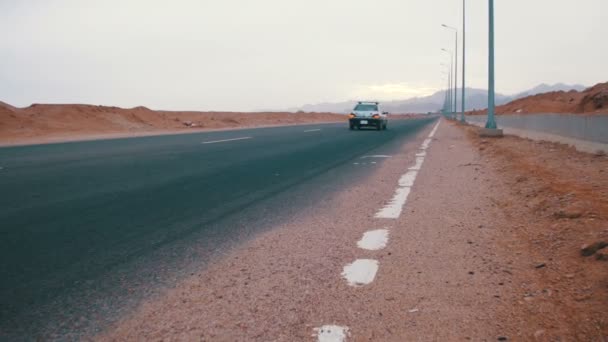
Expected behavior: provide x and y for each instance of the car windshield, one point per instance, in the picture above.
(366, 107)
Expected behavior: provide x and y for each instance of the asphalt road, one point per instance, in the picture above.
(87, 227)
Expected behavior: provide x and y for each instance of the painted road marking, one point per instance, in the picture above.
(407, 180)
(425, 144)
(312, 130)
(331, 333)
(220, 141)
(376, 156)
(360, 272)
(393, 209)
(374, 240)
(434, 130)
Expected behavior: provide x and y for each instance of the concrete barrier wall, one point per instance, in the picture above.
(588, 133)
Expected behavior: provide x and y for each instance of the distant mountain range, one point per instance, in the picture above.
(475, 99)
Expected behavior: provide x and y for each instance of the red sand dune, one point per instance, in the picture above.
(56, 122)
(592, 100)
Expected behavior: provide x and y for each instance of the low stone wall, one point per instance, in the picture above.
(587, 133)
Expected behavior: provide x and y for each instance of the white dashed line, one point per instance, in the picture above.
(425, 144)
(225, 140)
(434, 130)
(312, 130)
(360, 272)
(363, 271)
(394, 208)
(376, 156)
(374, 240)
(418, 165)
(407, 180)
(331, 333)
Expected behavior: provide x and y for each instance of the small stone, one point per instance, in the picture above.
(541, 265)
(589, 250)
(568, 214)
(539, 333)
(471, 273)
(502, 338)
(570, 276)
(601, 256)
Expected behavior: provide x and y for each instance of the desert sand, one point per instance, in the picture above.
(593, 100)
(41, 123)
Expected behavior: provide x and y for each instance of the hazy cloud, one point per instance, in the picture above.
(244, 55)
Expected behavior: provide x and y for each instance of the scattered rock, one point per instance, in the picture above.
(589, 250)
(541, 265)
(502, 338)
(601, 255)
(568, 214)
(539, 333)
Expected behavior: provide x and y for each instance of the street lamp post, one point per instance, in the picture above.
(452, 98)
(464, 57)
(455, 68)
(446, 100)
(491, 123)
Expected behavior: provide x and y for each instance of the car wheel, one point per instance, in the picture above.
(351, 127)
(379, 127)
(385, 126)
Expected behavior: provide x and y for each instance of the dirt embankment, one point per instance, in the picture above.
(56, 122)
(557, 201)
(592, 100)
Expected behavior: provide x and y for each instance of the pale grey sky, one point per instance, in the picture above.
(256, 54)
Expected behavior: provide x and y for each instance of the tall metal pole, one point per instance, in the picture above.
(450, 92)
(455, 66)
(456, 77)
(491, 123)
(464, 58)
(446, 91)
(452, 83)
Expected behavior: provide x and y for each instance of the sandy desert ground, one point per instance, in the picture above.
(41, 123)
(593, 100)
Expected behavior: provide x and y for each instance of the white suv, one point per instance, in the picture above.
(367, 114)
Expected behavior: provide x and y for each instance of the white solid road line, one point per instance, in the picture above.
(331, 333)
(225, 140)
(360, 272)
(312, 130)
(374, 240)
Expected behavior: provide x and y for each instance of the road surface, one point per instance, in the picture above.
(90, 228)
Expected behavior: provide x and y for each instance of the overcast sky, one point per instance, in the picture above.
(260, 54)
